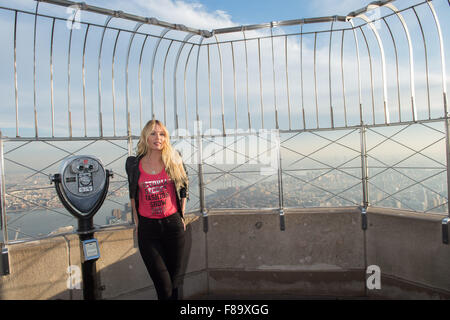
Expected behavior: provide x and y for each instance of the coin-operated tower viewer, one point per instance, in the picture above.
(82, 185)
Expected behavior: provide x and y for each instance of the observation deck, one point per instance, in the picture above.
(318, 149)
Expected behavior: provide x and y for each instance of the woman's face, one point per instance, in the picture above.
(156, 139)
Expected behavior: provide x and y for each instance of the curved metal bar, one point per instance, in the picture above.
(209, 88)
(36, 133)
(397, 73)
(16, 89)
(359, 72)
(100, 115)
(274, 82)
(136, 28)
(161, 36)
(301, 76)
(444, 76)
(51, 82)
(287, 81)
(221, 83)
(371, 74)
(196, 84)
(164, 80)
(68, 73)
(140, 83)
(84, 82)
(426, 62)
(260, 84)
(411, 58)
(315, 80)
(383, 63)
(329, 75)
(246, 74)
(343, 78)
(112, 82)
(185, 88)
(234, 87)
(175, 104)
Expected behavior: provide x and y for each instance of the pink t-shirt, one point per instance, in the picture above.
(157, 195)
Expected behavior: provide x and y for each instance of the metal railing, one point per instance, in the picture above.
(331, 111)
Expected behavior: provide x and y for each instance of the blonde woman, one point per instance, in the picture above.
(158, 185)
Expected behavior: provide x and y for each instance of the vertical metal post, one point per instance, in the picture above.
(152, 88)
(175, 96)
(201, 184)
(260, 83)
(88, 268)
(112, 83)
(209, 89)
(364, 178)
(371, 76)
(329, 73)
(246, 73)
(164, 81)
(51, 84)
(301, 76)
(140, 84)
(100, 114)
(127, 99)
(280, 182)
(69, 112)
(3, 221)
(359, 73)
(221, 83)
(426, 62)
(185, 89)
(36, 133)
(446, 220)
(287, 80)
(315, 80)
(343, 82)
(16, 90)
(274, 80)
(234, 87)
(84, 80)
(198, 135)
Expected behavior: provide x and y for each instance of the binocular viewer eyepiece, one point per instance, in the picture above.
(82, 185)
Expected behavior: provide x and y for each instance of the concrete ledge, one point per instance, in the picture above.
(344, 283)
(408, 248)
(323, 252)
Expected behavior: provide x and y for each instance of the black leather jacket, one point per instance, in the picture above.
(132, 169)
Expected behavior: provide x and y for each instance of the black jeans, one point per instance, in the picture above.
(161, 244)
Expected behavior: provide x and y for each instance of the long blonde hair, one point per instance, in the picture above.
(170, 157)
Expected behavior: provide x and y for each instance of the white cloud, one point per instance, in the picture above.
(193, 14)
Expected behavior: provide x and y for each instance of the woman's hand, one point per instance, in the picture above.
(184, 221)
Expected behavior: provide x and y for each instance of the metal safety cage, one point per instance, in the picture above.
(297, 113)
